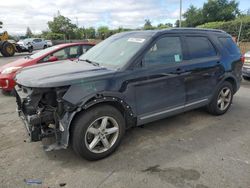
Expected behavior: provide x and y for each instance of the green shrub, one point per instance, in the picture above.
(232, 27)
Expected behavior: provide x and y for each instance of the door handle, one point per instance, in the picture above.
(179, 71)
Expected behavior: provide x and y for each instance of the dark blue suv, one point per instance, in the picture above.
(127, 80)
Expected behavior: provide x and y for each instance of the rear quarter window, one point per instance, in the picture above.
(229, 45)
(200, 47)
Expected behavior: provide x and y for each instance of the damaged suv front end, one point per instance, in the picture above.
(42, 111)
(47, 104)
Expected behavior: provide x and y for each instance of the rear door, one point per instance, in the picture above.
(203, 68)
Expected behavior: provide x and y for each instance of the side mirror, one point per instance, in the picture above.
(53, 58)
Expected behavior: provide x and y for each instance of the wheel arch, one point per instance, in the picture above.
(233, 81)
(99, 100)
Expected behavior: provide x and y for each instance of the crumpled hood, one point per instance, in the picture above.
(60, 73)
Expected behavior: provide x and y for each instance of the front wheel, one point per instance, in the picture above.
(30, 49)
(98, 132)
(222, 99)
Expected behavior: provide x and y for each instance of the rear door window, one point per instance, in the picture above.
(229, 45)
(200, 47)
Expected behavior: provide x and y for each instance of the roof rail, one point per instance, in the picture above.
(198, 29)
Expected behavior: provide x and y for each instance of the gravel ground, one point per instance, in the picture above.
(191, 150)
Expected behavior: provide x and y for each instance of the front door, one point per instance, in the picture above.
(160, 89)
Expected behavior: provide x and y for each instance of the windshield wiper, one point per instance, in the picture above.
(91, 62)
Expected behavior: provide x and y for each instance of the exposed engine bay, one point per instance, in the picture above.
(42, 110)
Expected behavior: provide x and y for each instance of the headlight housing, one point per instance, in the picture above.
(10, 70)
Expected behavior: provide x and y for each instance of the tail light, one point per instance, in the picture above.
(242, 59)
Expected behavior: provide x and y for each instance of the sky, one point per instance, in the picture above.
(17, 15)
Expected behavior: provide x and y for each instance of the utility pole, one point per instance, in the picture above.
(238, 38)
(180, 13)
(240, 30)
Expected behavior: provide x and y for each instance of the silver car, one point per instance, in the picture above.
(49, 43)
(246, 66)
(36, 43)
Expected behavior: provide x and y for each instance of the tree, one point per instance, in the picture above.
(28, 33)
(52, 36)
(220, 10)
(79, 33)
(148, 25)
(62, 25)
(232, 27)
(193, 17)
(212, 11)
(164, 26)
(89, 33)
(161, 26)
(177, 23)
(169, 24)
(103, 32)
(1, 23)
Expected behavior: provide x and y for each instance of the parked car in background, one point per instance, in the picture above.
(36, 43)
(129, 79)
(49, 43)
(59, 52)
(246, 66)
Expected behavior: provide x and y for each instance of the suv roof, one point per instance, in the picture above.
(179, 30)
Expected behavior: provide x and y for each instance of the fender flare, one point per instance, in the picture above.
(223, 79)
(91, 101)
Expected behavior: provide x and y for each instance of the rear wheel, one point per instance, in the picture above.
(45, 46)
(98, 132)
(7, 49)
(222, 99)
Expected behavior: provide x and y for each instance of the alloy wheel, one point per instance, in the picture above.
(102, 134)
(224, 98)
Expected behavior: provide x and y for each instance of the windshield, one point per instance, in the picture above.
(43, 52)
(115, 51)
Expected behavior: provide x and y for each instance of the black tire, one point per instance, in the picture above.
(45, 46)
(30, 49)
(7, 49)
(85, 120)
(246, 78)
(213, 107)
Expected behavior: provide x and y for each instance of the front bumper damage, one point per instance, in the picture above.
(45, 115)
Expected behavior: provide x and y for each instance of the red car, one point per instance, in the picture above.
(59, 52)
